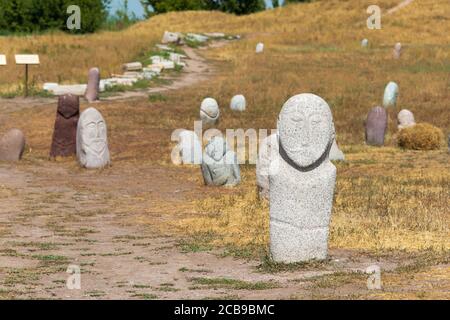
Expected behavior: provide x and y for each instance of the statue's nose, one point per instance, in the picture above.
(306, 135)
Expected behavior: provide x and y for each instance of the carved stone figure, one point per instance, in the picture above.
(220, 166)
(93, 86)
(238, 103)
(65, 132)
(390, 95)
(12, 145)
(301, 193)
(376, 126)
(92, 140)
(405, 119)
(267, 164)
(209, 111)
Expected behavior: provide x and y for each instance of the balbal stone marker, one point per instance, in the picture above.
(220, 166)
(238, 103)
(397, 50)
(209, 111)
(93, 86)
(65, 132)
(376, 126)
(190, 148)
(390, 95)
(364, 43)
(12, 145)
(267, 164)
(92, 140)
(405, 119)
(260, 48)
(301, 194)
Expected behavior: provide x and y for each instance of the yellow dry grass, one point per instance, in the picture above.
(386, 198)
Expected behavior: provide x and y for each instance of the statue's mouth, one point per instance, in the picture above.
(97, 145)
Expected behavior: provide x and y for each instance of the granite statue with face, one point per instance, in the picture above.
(92, 140)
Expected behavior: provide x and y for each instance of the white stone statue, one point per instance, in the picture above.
(260, 48)
(209, 111)
(301, 193)
(238, 103)
(92, 140)
(405, 119)
(220, 166)
(267, 164)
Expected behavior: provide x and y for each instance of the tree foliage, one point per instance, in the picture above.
(40, 15)
(232, 6)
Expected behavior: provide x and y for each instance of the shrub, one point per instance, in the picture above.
(422, 136)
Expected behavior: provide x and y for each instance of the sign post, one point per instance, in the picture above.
(27, 59)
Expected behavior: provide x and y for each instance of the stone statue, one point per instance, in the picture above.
(267, 164)
(12, 145)
(397, 50)
(190, 148)
(92, 140)
(65, 133)
(301, 193)
(209, 112)
(405, 119)
(238, 103)
(93, 86)
(376, 126)
(390, 95)
(220, 166)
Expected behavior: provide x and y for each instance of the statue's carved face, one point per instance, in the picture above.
(94, 135)
(306, 129)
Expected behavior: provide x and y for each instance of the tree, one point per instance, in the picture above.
(40, 15)
(232, 6)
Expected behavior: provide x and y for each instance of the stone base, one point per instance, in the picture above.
(290, 245)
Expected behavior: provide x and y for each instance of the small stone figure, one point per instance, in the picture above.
(376, 126)
(93, 86)
(220, 166)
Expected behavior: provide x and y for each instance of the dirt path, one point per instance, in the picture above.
(53, 216)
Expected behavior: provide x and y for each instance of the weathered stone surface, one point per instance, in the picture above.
(220, 166)
(390, 95)
(12, 145)
(238, 103)
(132, 66)
(93, 86)
(190, 148)
(397, 50)
(65, 132)
(335, 153)
(364, 43)
(260, 48)
(74, 89)
(209, 111)
(197, 37)
(267, 164)
(301, 193)
(171, 37)
(405, 119)
(376, 126)
(92, 140)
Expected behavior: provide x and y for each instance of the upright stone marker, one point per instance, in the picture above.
(397, 50)
(190, 148)
(260, 48)
(301, 194)
(64, 142)
(390, 95)
(93, 86)
(2, 60)
(12, 145)
(238, 103)
(220, 166)
(92, 140)
(267, 164)
(376, 126)
(209, 111)
(364, 43)
(335, 153)
(405, 119)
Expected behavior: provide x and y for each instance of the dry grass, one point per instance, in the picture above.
(422, 136)
(386, 198)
